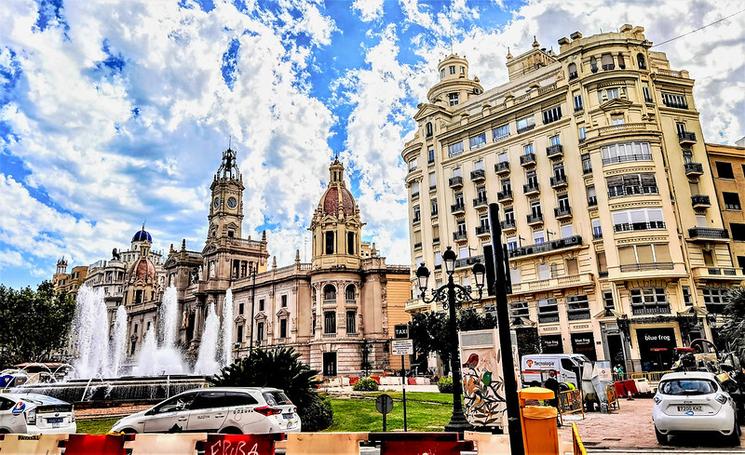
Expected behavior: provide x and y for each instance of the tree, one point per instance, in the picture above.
(281, 368)
(34, 323)
(733, 330)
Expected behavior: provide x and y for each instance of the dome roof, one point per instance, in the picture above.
(336, 197)
(142, 236)
(143, 269)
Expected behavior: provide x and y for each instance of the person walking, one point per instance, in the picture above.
(552, 383)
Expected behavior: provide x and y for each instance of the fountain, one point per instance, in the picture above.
(119, 339)
(91, 333)
(227, 329)
(207, 359)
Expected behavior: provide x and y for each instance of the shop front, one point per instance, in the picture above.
(584, 343)
(552, 344)
(656, 348)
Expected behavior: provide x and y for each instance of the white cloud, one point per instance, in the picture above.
(369, 10)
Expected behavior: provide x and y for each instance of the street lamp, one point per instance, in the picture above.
(451, 295)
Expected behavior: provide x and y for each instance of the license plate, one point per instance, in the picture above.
(288, 415)
(55, 420)
(694, 408)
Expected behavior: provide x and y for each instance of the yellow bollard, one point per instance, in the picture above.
(540, 433)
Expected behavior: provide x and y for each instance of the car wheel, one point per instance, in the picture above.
(129, 431)
(661, 438)
(734, 438)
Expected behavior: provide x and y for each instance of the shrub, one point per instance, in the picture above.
(318, 415)
(445, 384)
(366, 385)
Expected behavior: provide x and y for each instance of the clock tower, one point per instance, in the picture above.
(226, 207)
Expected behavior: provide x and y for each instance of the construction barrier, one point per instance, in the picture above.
(577, 445)
(25, 443)
(570, 402)
(414, 443)
(100, 444)
(241, 444)
(612, 398)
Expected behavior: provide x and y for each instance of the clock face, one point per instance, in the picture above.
(217, 202)
(232, 202)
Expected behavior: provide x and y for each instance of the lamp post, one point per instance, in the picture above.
(252, 272)
(452, 295)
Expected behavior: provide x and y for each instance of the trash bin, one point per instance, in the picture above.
(540, 433)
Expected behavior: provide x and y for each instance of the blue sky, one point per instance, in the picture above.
(115, 114)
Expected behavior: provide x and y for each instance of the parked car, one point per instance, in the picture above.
(693, 401)
(32, 413)
(247, 410)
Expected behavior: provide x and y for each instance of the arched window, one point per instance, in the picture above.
(593, 64)
(640, 62)
(572, 69)
(329, 292)
(607, 61)
(621, 61)
(351, 241)
(350, 292)
(329, 237)
(428, 129)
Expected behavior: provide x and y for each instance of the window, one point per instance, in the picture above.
(631, 184)
(481, 192)
(724, 170)
(647, 93)
(502, 157)
(543, 271)
(456, 172)
(240, 308)
(551, 115)
(519, 310)
(680, 128)
(432, 180)
(616, 119)
(239, 334)
(607, 61)
(688, 387)
(715, 299)
(283, 299)
(626, 151)
(329, 322)
(649, 301)
(431, 155)
(593, 64)
(428, 129)
(261, 304)
(459, 199)
(586, 164)
(478, 165)
(349, 293)
(455, 149)
(528, 149)
(538, 237)
(597, 229)
(525, 124)
(567, 231)
(461, 227)
(531, 178)
(554, 140)
(621, 61)
(511, 244)
(351, 321)
(412, 165)
(578, 307)
(329, 293)
(415, 189)
(577, 101)
(506, 185)
(535, 209)
(329, 237)
(687, 295)
(548, 311)
(501, 132)
(451, 68)
(731, 201)
(592, 199)
(462, 70)
(563, 202)
(608, 302)
(640, 62)
(572, 70)
(433, 207)
(637, 219)
(438, 260)
(351, 242)
(260, 331)
(675, 100)
(515, 276)
(453, 98)
(611, 93)
(283, 328)
(738, 231)
(477, 141)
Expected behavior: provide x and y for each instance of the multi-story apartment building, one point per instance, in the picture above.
(68, 283)
(607, 205)
(728, 169)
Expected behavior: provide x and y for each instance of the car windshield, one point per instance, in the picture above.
(688, 387)
(276, 398)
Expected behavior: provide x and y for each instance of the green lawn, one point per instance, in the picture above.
(426, 411)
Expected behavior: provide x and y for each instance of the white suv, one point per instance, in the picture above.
(693, 401)
(247, 410)
(31, 413)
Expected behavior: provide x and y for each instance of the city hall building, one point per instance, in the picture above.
(596, 157)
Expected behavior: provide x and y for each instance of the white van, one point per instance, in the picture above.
(534, 368)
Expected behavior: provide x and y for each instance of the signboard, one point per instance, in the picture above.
(401, 331)
(402, 347)
(384, 404)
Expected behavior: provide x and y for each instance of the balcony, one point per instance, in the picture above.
(687, 138)
(568, 281)
(531, 188)
(708, 234)
(458, 208)
(558, 181)
(694, 169)
(555, 151)
(534, 219)
(642, 226)
(467, 262)
(418, 246)
(563, 212)
(479, 175)
(460, 236)
(480, 202)
(646, 266)
(609, 66)
(502, 168)
(456, 182)
(567, 242)
(700, 201)
(508, 225)
(647, 310)
(525, 128)
(504, 196)
(416, 305)
(718, 273)
(527, 160)
(592, 201)
(482, 231)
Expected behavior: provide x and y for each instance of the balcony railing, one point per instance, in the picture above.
(646, 266)
(700, 201)
(531, 188)
(455, 182)
(460, 236)
(693, 169)
(627, 158)
(555, 151)
(482, 230)
(418, 246)
(578, 314)
(669, 102)
(504, 195)
(708, 233)
(592, 201)
(609, 67)
(557, 181)
(478, 175)
(527, 159)
(503, 167)
(524, 128)
(626, 227)
(535, 219)
(548, 318)
(562, 212)
(507, 224)
(467, 262)
(645, 310)
(480, 201)
(621, 191)
(686, 137)
(566, 242)
(566, 281)
(728, 271)
(458, 208)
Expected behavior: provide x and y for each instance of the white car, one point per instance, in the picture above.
(693, 401)
(246, 410)
(31, 413)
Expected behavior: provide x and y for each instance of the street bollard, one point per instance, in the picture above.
(540, 432)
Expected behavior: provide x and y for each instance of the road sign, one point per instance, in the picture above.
(401, 331)
(384, 404)
(402, 347)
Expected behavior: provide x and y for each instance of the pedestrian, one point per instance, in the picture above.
(552, 383)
